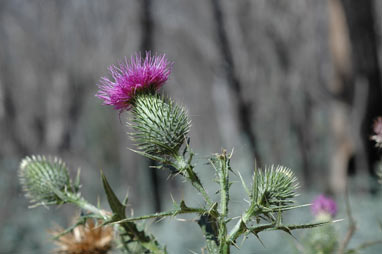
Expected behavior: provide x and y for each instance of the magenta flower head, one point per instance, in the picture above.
(324, 206)
(140, 75)
(377, 128)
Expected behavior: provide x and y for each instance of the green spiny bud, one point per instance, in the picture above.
(276, 186)
(43, 179)
(322, 239)
(159, 125)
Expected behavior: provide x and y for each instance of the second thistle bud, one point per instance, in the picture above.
(43, 179)
(159, 125)
(276, 186)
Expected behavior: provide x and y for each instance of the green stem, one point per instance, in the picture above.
(222, 170)
(240, 226)
(363, 246)
(226, 248)
(224, 194)
(202, 191)
(187, 170)
(85, 205)
(163, 214)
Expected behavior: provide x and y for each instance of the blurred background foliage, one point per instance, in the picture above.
(292, 82)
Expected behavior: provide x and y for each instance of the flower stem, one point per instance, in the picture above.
(187, 170)
(221, 164)
(85, 205)
(240, 226)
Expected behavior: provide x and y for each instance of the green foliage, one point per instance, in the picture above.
(159, 128)
(321, 240)
(133, 239)
(43, 180)
(159, 125)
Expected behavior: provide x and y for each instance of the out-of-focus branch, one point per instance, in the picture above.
(147, 25)
(361, 21)
(352, 224)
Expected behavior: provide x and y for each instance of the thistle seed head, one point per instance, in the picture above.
(90, 238)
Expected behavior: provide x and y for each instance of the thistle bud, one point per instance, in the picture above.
(159, 125)
(276, 186)
(43, 179)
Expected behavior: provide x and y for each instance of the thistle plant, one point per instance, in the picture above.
(159, 128)
(321, 240)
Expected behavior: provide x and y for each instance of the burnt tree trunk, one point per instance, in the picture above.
(341, 93)
(243, 108)
(361, 22)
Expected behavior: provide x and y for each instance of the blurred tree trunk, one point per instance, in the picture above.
(354, 49)
(302, 123)
(147, 44)
(243, 108)
(340, 88)
(360, 16)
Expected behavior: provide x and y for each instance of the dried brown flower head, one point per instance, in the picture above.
(89, 238)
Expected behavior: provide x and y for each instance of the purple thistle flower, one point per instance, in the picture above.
(377, 128)
(324, 205)
(138, 75)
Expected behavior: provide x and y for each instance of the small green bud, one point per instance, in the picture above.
(322, 239)
(276, 186)
(44, 179)
(159, 125)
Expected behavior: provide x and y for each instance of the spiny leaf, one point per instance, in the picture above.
(274, 226)
(150, 156)
(244, 185)
(115, 205)
(77, 183)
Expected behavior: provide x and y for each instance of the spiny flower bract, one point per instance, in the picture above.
(129, 78)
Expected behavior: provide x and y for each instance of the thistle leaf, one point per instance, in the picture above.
(115, 205)
(244, 185)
